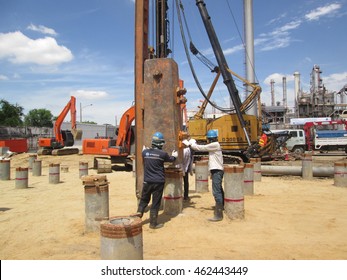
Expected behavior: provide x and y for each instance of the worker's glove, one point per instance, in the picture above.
(192, 142)
(174, 154)
(186, 142)
(144, 148)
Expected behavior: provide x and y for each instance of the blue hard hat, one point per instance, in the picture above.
(158, 140)
(211, 134)
(158, 137)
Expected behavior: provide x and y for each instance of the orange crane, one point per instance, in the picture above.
(118, 150)
(62, 138)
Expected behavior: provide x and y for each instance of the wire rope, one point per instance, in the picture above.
(180, 9)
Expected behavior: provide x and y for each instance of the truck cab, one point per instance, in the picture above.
(296, 143)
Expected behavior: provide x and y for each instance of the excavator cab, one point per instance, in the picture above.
(68, 138)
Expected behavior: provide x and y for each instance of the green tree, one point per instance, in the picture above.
(89, 122)
(39, 118)
(10, 115)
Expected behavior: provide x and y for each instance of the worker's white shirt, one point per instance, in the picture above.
(215, 156)
(186, 166)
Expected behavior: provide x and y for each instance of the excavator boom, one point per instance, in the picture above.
(125, 126)
(70, 106)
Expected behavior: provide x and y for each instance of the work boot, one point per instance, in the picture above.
(153, 216)
(218, 213)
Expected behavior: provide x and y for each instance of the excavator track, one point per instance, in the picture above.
(43, 151)
(64, 152)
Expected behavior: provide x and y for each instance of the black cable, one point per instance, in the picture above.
(179, 7)
(172, 45)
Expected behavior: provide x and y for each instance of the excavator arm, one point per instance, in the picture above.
(124, 130)
(70, 106)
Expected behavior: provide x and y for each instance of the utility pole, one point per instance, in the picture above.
(81, 110)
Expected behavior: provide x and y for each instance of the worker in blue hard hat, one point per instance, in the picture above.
(154, 178)
(215, 166)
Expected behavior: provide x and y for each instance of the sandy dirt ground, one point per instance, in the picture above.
(287, 218)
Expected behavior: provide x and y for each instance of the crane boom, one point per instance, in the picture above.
(223, 66)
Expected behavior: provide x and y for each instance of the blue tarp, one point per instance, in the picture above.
(331, 133)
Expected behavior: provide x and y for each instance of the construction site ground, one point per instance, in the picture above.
(287, 218)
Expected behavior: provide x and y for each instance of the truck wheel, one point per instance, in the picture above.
(298, 150)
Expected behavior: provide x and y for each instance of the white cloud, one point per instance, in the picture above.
(233, 49)
(42, 29)
(278, 78)
(323, 11)
(273, 40)
(20, 49)
(279, 18)
(336, 81)
(289, 26)
(228, 51)
(278, 89)
(281, 37)
(308, 59)
(3, 78)
(278, 38)
(89, 94)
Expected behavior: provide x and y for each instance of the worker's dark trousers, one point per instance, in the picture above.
(151, 189)
(186, 185)
(217, 189)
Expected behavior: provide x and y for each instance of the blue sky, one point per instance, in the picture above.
(50, 50)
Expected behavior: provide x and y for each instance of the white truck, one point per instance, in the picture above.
(330, 140)
(311, 138)
(296, 143)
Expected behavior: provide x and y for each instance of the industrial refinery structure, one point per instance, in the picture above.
(319, 102)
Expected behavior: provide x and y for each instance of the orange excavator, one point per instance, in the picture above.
(117, 149)
(63, 138)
